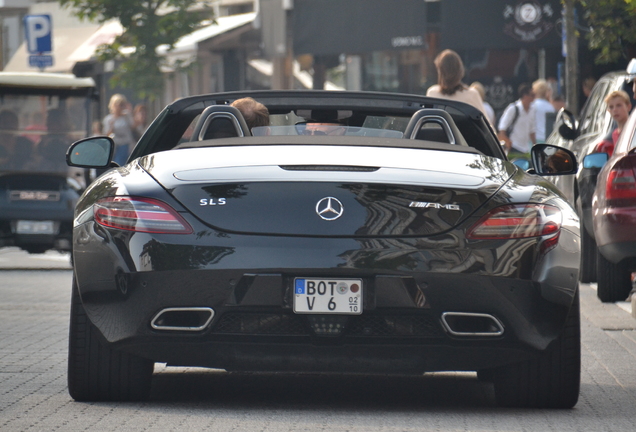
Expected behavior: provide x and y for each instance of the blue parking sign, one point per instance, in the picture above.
(38, 30)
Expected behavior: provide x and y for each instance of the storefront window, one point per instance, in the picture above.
(381, 72)
(394, 71)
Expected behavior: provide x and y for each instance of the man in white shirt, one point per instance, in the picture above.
(542, 106)
(517, 125)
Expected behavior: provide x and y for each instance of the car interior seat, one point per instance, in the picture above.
(220, 121)
(432, 124)
(432, 131)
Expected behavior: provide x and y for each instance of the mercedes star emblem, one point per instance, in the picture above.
(329, 208)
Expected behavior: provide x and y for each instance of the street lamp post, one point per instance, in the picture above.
(571, 58)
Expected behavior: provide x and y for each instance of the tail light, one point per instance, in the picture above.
(140, 215)
(517, 221)
(621, 183)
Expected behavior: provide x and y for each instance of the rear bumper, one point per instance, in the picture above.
(615, 231)
(61, 241)
(125, 280)
(350, 358)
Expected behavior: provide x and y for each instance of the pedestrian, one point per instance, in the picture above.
(558, 102)
(490, 112)
(586, 87)
(255, 113)
(618, 106)
(119, 126)
(517, 125)
(542, 107)
(450, 72)
(140, 120)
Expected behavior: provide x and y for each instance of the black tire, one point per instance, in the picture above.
(587, 273)
(98, 373)
(614, 280)
(551, 380)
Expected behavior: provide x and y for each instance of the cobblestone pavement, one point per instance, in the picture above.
(34, 308)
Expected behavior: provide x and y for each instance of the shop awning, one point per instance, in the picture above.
(500, 24)
(326, 27)
(106, 34)
(186, 49)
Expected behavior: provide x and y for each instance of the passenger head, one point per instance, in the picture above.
(322, 122)
(541, 89)
(255, 113)
(450, 71)
(318, 128)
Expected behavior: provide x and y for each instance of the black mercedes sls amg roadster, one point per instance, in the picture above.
(354, 233)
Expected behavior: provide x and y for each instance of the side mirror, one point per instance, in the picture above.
(595, 160)
(93, 152)
(553, 160)
(567, 128)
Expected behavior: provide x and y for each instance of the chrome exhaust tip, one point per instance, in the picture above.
(183, 319)
(467, 324)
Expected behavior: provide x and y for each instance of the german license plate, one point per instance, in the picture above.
(328, 296)
(35, 227)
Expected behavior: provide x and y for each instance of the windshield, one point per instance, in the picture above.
(36, 131)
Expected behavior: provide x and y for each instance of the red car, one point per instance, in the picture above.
(614, 215)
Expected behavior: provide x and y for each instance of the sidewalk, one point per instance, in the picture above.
(604, 315)
(13, 258)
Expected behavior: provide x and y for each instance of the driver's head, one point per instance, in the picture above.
(320, 128)
(322, 122)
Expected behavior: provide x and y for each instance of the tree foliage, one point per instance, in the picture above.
(147, 25)
(612, 28)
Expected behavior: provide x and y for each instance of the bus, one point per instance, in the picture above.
(41, 114)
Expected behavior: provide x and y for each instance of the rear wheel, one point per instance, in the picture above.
(98, 373)
(587, 273)
(552, 379)
(614, 280)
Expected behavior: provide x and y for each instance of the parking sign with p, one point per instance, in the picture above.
(38, 33)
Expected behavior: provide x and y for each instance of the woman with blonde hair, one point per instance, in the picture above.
(450, 72)
(119, 125)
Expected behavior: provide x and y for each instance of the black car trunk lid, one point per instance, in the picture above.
(350, 197)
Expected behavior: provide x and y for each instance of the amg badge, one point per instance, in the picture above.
(423, 204)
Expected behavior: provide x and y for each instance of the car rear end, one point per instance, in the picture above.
(36, 211)
(383, 261)
(614, 206)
